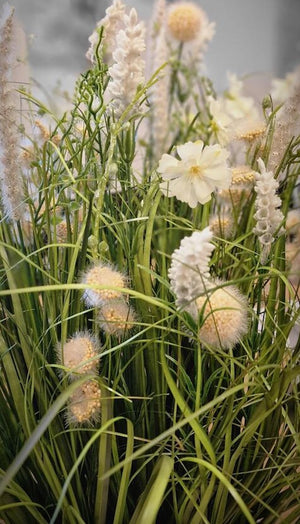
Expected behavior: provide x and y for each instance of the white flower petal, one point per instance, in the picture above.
(190, 150)
(167, 162)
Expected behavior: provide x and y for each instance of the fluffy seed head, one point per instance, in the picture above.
(242, 175)
(102, 275)
(224, 313)
(221, 226)
(79, 354)
(84, 404)
(185, 21)
(117, 317)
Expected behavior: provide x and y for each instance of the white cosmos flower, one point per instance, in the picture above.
(200, 170)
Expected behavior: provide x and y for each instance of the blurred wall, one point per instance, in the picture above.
(252, 36)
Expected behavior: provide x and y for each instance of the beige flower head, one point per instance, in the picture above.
(117, 317)
(221, 226)
(224, 317)
(106, 277)
(80, 354)
(84, 404)
(185, 21)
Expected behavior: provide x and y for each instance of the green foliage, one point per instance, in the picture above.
(188, 433)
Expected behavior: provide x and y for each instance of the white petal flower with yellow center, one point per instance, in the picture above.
(200, 170)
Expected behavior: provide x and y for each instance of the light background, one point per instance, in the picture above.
(252, 36)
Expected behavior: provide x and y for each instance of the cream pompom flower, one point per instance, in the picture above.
(107, 278)
(84, 405)
(200, 170)
(185, 21)
(80, 354)
(224, 316)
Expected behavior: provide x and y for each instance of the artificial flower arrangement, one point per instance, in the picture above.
(149, 246)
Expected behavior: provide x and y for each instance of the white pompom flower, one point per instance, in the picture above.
(199, 171)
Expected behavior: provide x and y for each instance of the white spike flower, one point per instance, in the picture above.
(112, 23)
(189, 270)
(200, 170)
(127, 73)
(268, 216)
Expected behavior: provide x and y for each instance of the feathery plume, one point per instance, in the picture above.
(10, 175)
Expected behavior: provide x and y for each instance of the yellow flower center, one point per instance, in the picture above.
(195, 171)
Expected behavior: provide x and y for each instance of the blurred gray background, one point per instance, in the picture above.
(252, 36)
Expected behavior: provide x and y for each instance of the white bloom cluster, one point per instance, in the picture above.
(268, 216)
(127, 72)
(283, 88)
(189, 270)
(112, 23)
(234, 115)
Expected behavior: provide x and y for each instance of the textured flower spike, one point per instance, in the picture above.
(127, 73)
(103, 276)
(268, 215)
(189, 270)
(200, 170)
(11, 183)
(160, 96)
(243, 178)
(84, 404)
(116, 317)
(112, 23)
(80, 354)
(224, 316)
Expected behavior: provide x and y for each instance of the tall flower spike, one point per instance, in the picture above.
(10, 175)
(127, 73)
(160, 95)
(268, 215)
(112, 23)
(189, 270)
